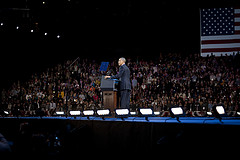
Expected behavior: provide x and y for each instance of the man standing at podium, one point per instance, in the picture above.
(125, 84)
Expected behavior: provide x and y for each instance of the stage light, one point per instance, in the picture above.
(60, 113)
(122, 113)
(146, 112)
(176, 112)
(218, 111)
(133, 113)
(209, 113)
(157, 113)
(88, 113)
(75, 113)
(6, 112)
(103, 113)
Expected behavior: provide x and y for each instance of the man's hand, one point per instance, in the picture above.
(107, 77)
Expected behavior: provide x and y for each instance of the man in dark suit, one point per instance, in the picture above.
(125, 84)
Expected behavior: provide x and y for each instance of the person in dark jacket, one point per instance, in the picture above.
(125, 83)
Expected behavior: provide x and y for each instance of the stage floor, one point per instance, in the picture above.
(183, 120)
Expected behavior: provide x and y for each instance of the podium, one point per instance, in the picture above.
(109, 88)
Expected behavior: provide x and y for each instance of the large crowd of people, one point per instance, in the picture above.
(193, 82)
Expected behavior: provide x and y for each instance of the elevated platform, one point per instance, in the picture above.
(61, 136)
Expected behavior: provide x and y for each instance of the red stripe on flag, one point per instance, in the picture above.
(220, 50)
(237, 15)
(221, 41)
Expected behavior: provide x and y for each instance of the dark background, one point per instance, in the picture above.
(103, 30)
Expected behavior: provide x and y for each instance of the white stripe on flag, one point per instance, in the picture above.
(237, 19)
(237, 28)
(229, 45)
(237, 11)
(218, 37)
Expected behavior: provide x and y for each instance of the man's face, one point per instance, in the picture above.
(120, 62)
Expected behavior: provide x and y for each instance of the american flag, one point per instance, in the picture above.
(220, 31)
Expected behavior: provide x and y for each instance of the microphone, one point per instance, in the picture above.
(109, 72)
